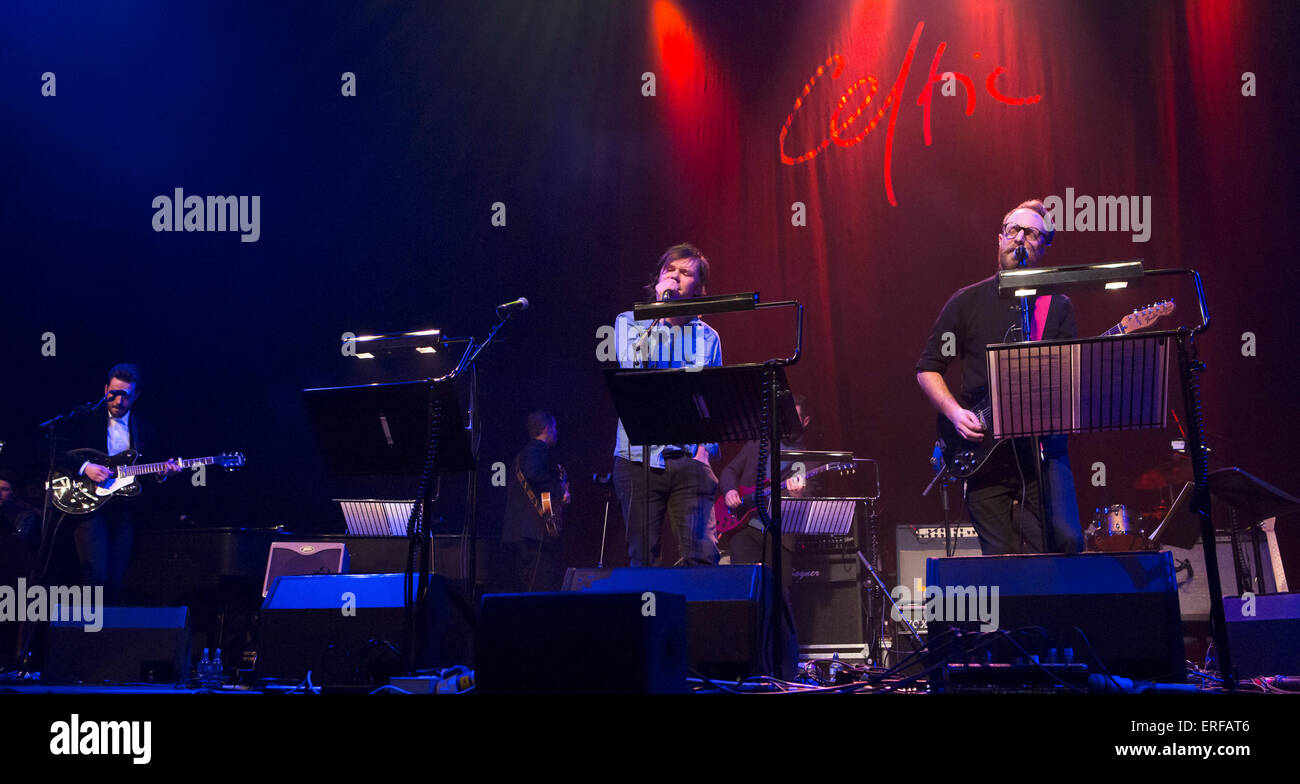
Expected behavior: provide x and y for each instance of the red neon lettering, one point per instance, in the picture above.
(837, 63)
(896, 95)
(927, 92)
(993, 91)
(837, 127)
(869, 86)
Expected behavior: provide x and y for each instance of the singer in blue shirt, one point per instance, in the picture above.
(682, 483)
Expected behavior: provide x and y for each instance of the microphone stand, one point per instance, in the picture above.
(46, 547)
(1026, 333)
(645, 448)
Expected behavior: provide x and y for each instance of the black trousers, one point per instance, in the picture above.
(1003, 501)
(104, 542)
(536, 565)
(682, 492)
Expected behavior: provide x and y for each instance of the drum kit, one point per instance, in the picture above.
(1116, 529)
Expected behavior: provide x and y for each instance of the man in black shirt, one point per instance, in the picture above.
(534, 553)
(1003, 496)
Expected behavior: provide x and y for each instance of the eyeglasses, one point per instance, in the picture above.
(1011, 230)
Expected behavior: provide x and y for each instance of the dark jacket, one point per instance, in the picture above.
(90, 431)
(537, 463)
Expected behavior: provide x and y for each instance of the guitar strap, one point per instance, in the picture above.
(528, 491)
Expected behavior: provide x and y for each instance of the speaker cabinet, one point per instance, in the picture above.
(1122, 606)
(1264, 634)
(589, 643)
(134, 645)
(727, 617)
(348, 629)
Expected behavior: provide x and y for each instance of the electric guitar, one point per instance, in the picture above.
(75, 494)
(729, 520)
(552, 514)
(965, 458)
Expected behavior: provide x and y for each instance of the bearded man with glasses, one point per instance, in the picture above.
(1002, 497)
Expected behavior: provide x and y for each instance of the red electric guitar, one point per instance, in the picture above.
(729, 520)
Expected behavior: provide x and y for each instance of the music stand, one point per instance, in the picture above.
(706, 405)
(407, 427)
(384, 428)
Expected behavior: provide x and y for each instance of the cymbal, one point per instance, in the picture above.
(1174, 471)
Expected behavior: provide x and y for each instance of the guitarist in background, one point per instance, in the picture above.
(749, 544)
(536, 480)
(1003, 497)
(104, 537)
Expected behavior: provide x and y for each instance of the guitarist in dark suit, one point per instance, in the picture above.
(534, 552)
(104, 538)
(748, 544)
(1003, 496)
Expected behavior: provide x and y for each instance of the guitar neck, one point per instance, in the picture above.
(1118, 329)
(784, 485)
(157, 468)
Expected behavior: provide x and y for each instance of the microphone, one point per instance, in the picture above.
(667, 295)
(518, 305)
(1022, 257)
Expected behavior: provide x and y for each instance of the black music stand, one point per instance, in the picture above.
(1042, 280)
(412, 428)
(707, 405)
(384, 428)
(1260, 501)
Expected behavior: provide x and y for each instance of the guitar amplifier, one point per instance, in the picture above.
(914, 544)
(304, 558)
(829, 603)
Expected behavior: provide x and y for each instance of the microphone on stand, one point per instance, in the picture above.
(1022, 260)
(516, 306)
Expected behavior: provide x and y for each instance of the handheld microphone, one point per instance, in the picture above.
(516, 306)
(667, 295)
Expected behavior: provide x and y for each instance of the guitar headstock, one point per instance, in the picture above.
(1145, 317)
(229, 460)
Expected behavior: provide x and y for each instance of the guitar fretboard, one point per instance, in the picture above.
(157, 468)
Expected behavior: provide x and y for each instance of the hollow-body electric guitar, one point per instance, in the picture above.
(76, 494)
(965, 458)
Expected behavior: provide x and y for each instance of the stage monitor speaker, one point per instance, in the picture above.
(348, 629)
(133, 645)
(727, 618)
(827, 597)
(585, 643)
(304, 558)
(1124, 606)
(1264, 634)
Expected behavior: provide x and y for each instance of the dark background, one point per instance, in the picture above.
(376, 212)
